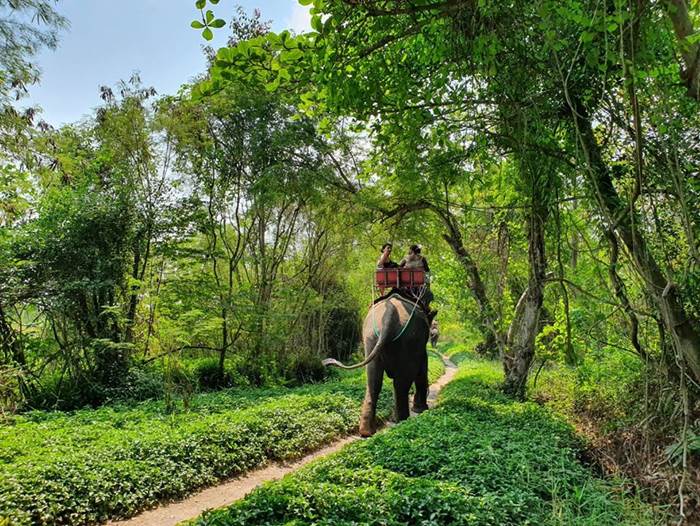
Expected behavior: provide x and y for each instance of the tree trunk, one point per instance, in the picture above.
(682, 330)
(133, 297)
(525, 325)
(677, 11)
(11, 346)
(224, 344)
(493, 340)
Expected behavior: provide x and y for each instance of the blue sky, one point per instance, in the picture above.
(110, 39)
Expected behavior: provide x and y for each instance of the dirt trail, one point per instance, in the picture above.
(223, 494)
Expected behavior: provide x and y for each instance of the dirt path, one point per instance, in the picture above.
(234, 489)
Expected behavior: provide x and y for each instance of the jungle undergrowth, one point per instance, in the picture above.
(91, 465)
(479, 458)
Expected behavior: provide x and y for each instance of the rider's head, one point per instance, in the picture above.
(414, 249)
(385, 246)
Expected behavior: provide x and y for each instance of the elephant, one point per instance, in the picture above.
(434, 334)
(395, 335)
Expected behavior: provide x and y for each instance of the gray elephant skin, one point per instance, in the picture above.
(434, 336)
(395, 335)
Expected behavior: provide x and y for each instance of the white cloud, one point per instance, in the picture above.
(300, 19)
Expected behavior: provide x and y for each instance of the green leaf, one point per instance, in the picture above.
(207, 34)
(324, 126)
(214, 2)
(316, 23)
(272, 86)
(218, 23)
(284, 74)
(305, 2)
(199, 4)
(210, 16)
(291, 55)
(226, 54)
(196, 24)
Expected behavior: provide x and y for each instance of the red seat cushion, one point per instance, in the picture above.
(405, 277)
(387, 277)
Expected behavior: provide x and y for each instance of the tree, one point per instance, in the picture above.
(258, 170)
(476, 66)
(26, 26)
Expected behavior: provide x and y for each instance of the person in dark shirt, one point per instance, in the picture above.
(384, 260)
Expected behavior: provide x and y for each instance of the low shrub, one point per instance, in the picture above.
(480, 458)
(141, 383)
(607, 383)
(305, 368)
(92, 382)
(256, 372)
(209, 376)
(59, 392)
(631, 420)
(110, 362)
(605, 386)
(91, 465)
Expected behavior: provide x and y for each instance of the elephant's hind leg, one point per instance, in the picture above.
(420, 399)
(368, 414)
(401, 387)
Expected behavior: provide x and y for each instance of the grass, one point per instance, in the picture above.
(458, 352)
(87, 466)
(479, 459)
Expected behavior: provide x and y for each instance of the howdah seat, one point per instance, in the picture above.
(399, 278)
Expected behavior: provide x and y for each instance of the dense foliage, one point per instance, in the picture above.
(91, 465)
(202, 233)
(545, 154)
(553, 147)
(480, 458)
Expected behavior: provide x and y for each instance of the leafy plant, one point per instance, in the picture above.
(480, 458)
(208, 20)
(91, 465)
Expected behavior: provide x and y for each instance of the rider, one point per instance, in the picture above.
(384, 260)
(434, 333)
(414, 260)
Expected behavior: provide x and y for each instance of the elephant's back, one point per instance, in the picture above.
(404, 308)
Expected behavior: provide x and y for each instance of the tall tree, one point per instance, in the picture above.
(479, 66)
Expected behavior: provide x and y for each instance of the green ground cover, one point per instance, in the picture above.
(89, 465)
(479, 458)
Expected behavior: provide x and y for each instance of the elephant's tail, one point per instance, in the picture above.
(372, 355)
(335, 363)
